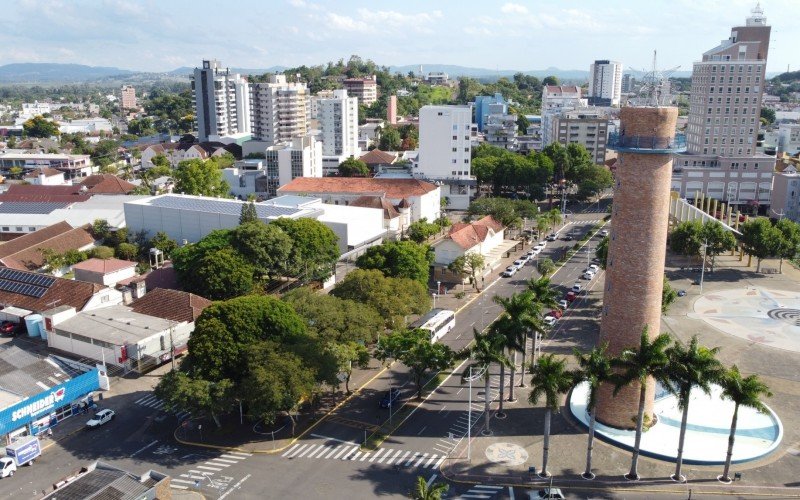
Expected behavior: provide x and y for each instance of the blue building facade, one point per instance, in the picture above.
(481, 107)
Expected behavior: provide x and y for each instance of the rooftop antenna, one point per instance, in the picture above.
(653, 82)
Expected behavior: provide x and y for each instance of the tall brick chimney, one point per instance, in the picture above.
(637, 247)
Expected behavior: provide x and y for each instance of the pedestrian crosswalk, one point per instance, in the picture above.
(151, 401)
(468, 419)
(482, 491)
(203, 475)
(353, 453)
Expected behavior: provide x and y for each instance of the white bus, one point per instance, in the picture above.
(437, 321)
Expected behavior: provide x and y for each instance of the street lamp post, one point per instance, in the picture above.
(704, 248)
(472, 376)
(434, 300)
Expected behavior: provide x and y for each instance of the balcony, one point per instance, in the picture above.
(646, 145)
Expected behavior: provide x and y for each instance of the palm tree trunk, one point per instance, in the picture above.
(679, 460)
(587, 474)
(633, 475)
(546, 448)
(731, 439)
(502, 387)
(486, 430)
(524, 359)
(513, 371)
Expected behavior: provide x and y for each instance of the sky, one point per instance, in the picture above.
(161, 35)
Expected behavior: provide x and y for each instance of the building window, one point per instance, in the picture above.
(19, 229)
(455, 137)
(6, 228)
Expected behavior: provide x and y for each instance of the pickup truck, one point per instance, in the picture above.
(22, 452)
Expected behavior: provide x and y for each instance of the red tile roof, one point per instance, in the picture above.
(560, 89)
(62, 292)
(468, 235)
(391, 188)
(389, 212)
(378, 157)
(171, 304)
(24, 253)
(107, 184)
(104, 266)
(48, 194)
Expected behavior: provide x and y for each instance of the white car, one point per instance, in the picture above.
(563, 304)
(509, 272)
(100, 418)
(520, 262)
(577, 287)
(594, 267)
(549, 320)
(603, 233)
(588, 275)
(540, 246)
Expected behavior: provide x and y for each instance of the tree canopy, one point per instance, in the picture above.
(39, 126)
(399, 259)
(353, 167)
(315, 248)
(414, 349)
(201, 178)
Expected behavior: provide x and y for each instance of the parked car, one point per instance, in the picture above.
(549, 320)
(102, 417)
(571, 296)
(520, 262)
(588, 275)
(577, 287)
(551, 237)
(563, 304)
(556, 313)
(594, 267)
(8, 328)
(603, 233)
(533, 252)
(540, 246)
(509, 272)
(390, 397)
(568, 237)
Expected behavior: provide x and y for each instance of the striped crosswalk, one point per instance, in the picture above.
(353, 453)
(151, 401)
(201, 475)
(482, 491)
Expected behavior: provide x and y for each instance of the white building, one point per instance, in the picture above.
(786, 195)
(481, 237)
(445, 147)
(280, 112)
(190, 218)
(302, 157)
(86, 126)
(107, 272)
(313, 108)
(555, 100)
(128, 100)
(73, 166)
(789, 138)
(45, 176)
(500, 127)
(366, 89)
(222, 102)
(338, 117)
(177, 152)
(605, 83)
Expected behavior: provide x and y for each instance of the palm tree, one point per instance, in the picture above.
(550, 379)
(555, 216)
(519, 316)
(743, 392)
(542, 224)
(595, 368)
(485, 350)
(544, 296)
(424, 492)
(638, 365)
(689, 367)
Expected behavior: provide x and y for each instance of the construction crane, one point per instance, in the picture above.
(651, 93)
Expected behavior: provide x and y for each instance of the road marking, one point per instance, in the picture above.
(290, 453)
(403, 457)
(356, 456)
(235, 486)
(335, 448)
(439, 462)
(415, 455)
(430, 481)
(227, 455)
(143, 448)
(422, 430)
(366, 456)
(429, 462)
(201, 472)
(216, 462)
(385, 456)
(511, 493)
(178, 486)
(377, 453)
(320, 450)
(443, 407)
(459, 391)
(217, 469)
(192, 477)
(420, 460)
(174, 479)
(395, 456)
(305, 452)
(343, 450)
(240, 453)
(334, 439)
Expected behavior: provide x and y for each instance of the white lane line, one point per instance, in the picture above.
(314, 447)
(216, 469)
(470, 495)
(443, 407)
(395, 456)
(366, 456)
(420, 460)
(415, 455)
(328, 438)
(218, 464)
(201, 472)
(333, 450)
(437, 464)
(178, 487)
(143, 448)
(354, 457)
(429, 462)
(192, 477)
(139, 401)
(240, 453)
(430, 481)
(511, 493)
(176, 480)
(403, 457)
(487, 487)
(377, 453)
(459, 391)
(347, 455)
(344, 449)
(235, 486)
(294, 449)
(422, 430)
(385, 456)
(228, 455)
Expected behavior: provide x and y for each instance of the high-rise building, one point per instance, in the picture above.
(128, 100)
(500, 127)
(628, 83)
(222, 102)
(445, 148)
(605, 83)
(366, 89)
(585, 126)
(482, 103)
(280, 111)
(338, 117)
(721, 160)
(391, 110)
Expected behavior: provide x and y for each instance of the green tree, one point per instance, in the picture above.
(545, 296)
(594, 368)
(768, 114)
(141, 127)
(601, 252)
(101, 229)
(38, 126)
(550, 380)
(692, 366)
(760, 239)
(546, 266)
(181, 392)
(550, 80)
(399, 259)
(637, 366)
(390, 139)
(686, 239)
(717, 240)
(743, 391)
(266, 247)
(421, 230)
(486, 349)
(470, 264)
(353, 167)
(105, 152)
(348, 355)
(393, 298)
(520, 315)
(102, 252)
(424, 492)
(220, 275)
(668, 295)
(315, 248)
(126, 251)
(790, 240)
(248, 213)
(163, 242)
(593, 180)
(415, 350)
(225, 160)
(201, 178)
(522, 124)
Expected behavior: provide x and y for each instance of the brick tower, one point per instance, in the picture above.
(637, 246)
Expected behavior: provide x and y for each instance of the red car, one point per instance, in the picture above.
(8, 328)
(571, 296)
(556, 313)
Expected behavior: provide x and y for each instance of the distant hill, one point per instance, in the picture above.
(53, 72)
(788, 77)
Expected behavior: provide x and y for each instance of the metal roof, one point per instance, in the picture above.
(20, 207)
(218, 206)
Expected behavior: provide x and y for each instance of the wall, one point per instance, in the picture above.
(104, 298)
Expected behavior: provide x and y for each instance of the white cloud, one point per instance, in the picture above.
(347, 23)
(297, 3)
(513, 8)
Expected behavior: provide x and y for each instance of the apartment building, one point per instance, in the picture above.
(338, 117)
(587, 127)
(280, 112)
(605, 83)
(128, 100)
(785, 200)
(366, 89)
(222, 102)
(555, 100)
(721, 160)
(481, 106)
(500, 127)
